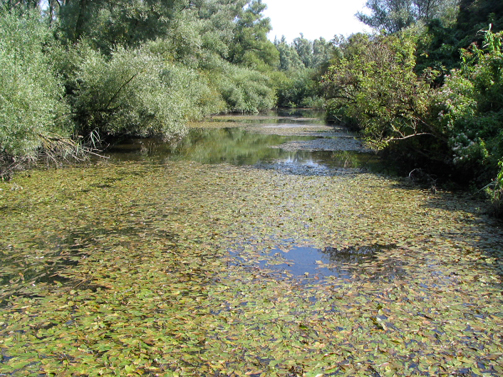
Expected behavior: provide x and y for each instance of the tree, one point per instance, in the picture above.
(313, 54)
(475, 16)
(390, 15)
(250, 46)
(395, 15)
(32, 111)
(304, 48)
(470, 107)
(119, 22)
(374, 87)
(288, 56)
(19, 4)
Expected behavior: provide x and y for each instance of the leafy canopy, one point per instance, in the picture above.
(395, 15)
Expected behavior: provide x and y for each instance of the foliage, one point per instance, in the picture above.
(495, 192)
(313, 54)
(289, 59)
(438, 49)
(440, 45)
(146, 67)
(32, 110)
(299, 89)
(389, 15)
(395, 15)
(250, 46)
(374, 86)
(243, 89)
(474, 16)
(302, 61)
(471, 108)
(203, 38)
(136, 92)
(111, 23)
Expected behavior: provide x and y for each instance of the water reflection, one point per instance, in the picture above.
(329, 261)
(238, 146)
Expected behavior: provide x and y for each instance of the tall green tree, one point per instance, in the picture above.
(19, 4)
(32, 110)
(288, 57)
(250, 46)
(476, 15)
(395, 15)
(313, 53)
(119, 22)
(390, 15)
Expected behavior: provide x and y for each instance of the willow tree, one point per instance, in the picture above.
(32, 112)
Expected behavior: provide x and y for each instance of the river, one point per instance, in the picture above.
(258, 245)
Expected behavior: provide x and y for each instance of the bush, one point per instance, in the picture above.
(495, 192)
(31, 107)
(243, 89)
(374, 86)
(470, 108)
(137, 93)
(298, 90)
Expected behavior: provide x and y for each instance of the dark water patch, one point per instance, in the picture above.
(311, 262)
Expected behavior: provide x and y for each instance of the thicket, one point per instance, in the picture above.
(79, 72)
(422, 97)
(300, 66)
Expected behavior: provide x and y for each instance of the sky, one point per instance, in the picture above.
(314, 18)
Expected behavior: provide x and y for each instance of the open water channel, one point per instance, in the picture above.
(271, 245)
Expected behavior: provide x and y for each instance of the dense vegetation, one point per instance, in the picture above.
(87, 71)
(92, 70)
(426, 86)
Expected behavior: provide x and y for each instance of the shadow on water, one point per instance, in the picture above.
(485, 233)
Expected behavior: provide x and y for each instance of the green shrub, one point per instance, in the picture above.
(299, 89)
(243, 89)
(31, 107)
(374, 86)
(495, 192)
(136, 92)
(470, 108)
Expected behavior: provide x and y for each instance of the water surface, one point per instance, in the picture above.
(232, 254)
